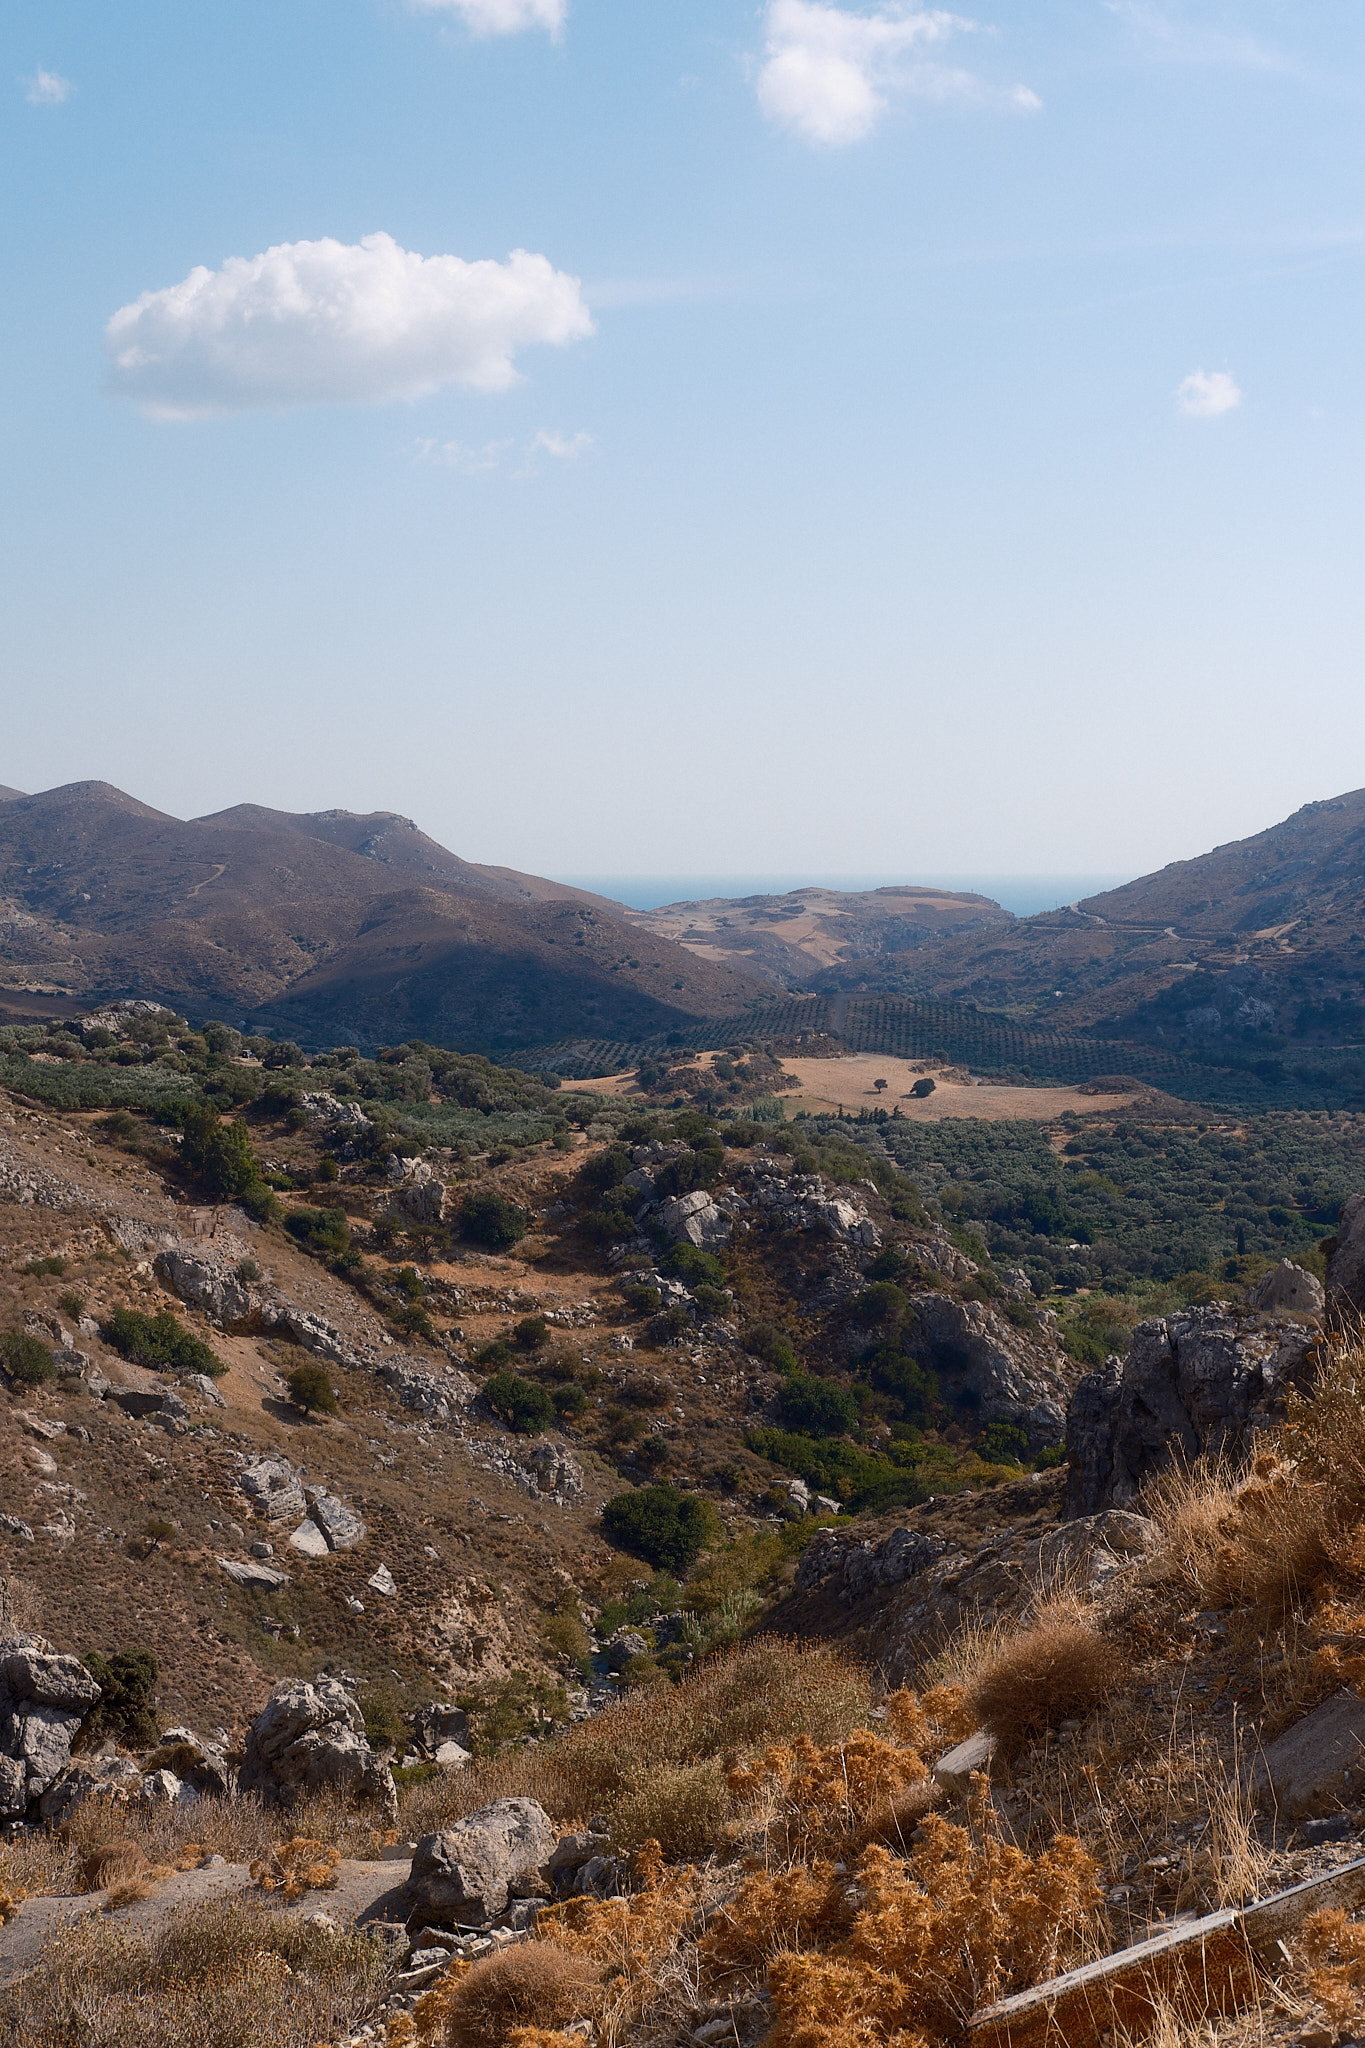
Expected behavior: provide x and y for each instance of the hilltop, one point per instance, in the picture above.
(331, 926)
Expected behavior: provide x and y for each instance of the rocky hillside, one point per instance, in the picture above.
(333, 926)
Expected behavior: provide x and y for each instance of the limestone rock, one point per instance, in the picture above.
(263, 1576)
(310, 1737)
(1318, 1765)
(571, 1854)
(421, 1196)
(1092, 1549)
(340, 1525)
(274, 1489)
(1203, 1380)
(153, 1404)
(1287, 1286)
(453, 1755)
(210, 1284)
(381, 1580)
(954, 1771)
(107, 1776)
(465, 1873)
(694, 1219)
(1005, 1374)
(43, 1698)
(309, 1540)
(1346, 1254)
(432, 1725)
(201, 1384)
(556, 1474)
(162, 1788)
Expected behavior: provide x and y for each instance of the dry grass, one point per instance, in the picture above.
(1057, 1668)
(536, 1984)
(768, 1690)
(225, 1976)
(297, 1866)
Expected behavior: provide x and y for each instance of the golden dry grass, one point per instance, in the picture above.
(1057, 1668)
(536, 1984)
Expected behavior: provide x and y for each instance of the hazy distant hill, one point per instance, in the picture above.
(1264, 935)
(790, 938)
(341, 926)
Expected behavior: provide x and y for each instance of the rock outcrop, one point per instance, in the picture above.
(44, 1697)
(309, 1738)
(1204, 1380)
(468, 1873)
(1002, 1373)
(1287, 1286)
(213, 1285)
(1346, 1254)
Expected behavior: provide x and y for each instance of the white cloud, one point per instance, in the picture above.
(502, 17)
(47, 89)
(828, 74)
(336, 323)
(1172, 40)
(564, 447)
(1206, 393)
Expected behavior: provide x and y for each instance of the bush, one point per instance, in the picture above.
(218, 1154)
(320, 1230)
(161, 1342)
(817, 1407)
(682, 1807)
(490, 1219)
(310, 1388)
(27, 1359)
(923, 1087)
(569, 1400)
(535, 1984)
(605, 1169)
(688, 1263)
(1003, 1443)
(520, 1403)
(640, 1298)
(666, 1528)
(1058, 1669)
(124, 1708)
(768, 1342)
(531, 1332)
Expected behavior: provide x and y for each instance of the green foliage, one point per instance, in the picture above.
(712, 1301)
(666, 1528)
(605, 1169)
(490, 1219)
(766, 1341)
(521, 1404)
(323, 1231)
(531, 1332)
(26, 1359)
(670, 1324)
(923, 1087)
(881, 1306)
(816, 1407)
(40, 1269)
(641, 1298)
(161, 1342)
(310, 1388)
(1003, 1443)
(124, 1710)
(569, 1400)
(382, 1708)
(218, 1154)
(694, 1267)
(863, 1480)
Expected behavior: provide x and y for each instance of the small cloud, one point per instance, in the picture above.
(829, 75)
(1206, 393)
(335, 323)
(502, 17)
(1172, 41)
(47, 89)
(564, 447)
(455, 455)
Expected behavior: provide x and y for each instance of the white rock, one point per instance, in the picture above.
(309, 1539)
(382, 1581)
(453, 1755)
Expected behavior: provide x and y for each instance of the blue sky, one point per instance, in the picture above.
(909, 444)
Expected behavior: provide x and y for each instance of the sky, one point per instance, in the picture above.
(688, 437)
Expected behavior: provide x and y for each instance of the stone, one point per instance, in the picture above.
(1205, 1380)
(571, 1853)
(14, 1527)
(421, 1196)
(1003, 1373)
(465, 1874)
(382, 1581)
(341, 1526)
(1317, 1765)
(954, 1771)
(1334, 1827)
(437, 1723)
(309, 1540)
(206, 1283)
(1288, 1286)
(1092, 1549)
(44, 1696)
(311, 1737)
(201, 1384)
(150, 1404)
(263, 1575)
(1346, 1254)
(453, 1755)
(557, 1475)
(625, 1645)
(274, 1489)
(161, 1788)
(694, 1219)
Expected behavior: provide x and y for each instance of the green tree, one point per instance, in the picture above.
(161, 1342)
(924, 1086)
(487, 1217)
(218, 1154)
(520, 1403)
(124, 1708)
(667, 1528)
(310, 1388)
(816, 1407)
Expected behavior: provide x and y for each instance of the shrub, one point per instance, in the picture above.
(768, 1342)
(880, 1305)
(531, 1332)
(670, 1324)
(666, 1528)
(124, 1708)
(923, 1087)
(27, 1359)
(605, 1169)
(520, 1403)
(816, 1407)
(320, 1230)
(688, 1263)
(488, 1218)
(160, 1342)
(1003, 1443)
(218, 1154)
(310, 1388)
(640, 1298)
(682, 1807)
(569, 1400)
(1057, 1669)
(39, 1269)
(535, 1984)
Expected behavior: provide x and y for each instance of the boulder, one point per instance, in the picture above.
(210, 1284)
(572, 1853)
(44, 1697)
(955, 1771)
(1346, 1254)
(1203, 1380)
(201, 1384)
(694, 1219)
(1287, 1286)
(1318, 1765)
(465, 1874)
(382, 1580)
(1094, 1548)
(274, 1489)
(557, 1475)
(156, 1404)
(309, 1540)
(163, 1788)
(421, 1196)
(263, 1576)
(438, 1723)
(340, 1525)
(1003, 1374)
(310, 1738)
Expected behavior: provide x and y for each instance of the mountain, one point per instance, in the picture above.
(1263, 935)
(788, 938)
(331, 924)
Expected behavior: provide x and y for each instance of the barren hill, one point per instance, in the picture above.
(102, 896)
(789, 938)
